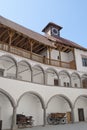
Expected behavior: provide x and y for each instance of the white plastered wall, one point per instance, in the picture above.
(78, 58)
(66, 57)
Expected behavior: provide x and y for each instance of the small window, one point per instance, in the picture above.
(1, 72)
(55, 82)
(64, 84)
(67, 84)
(84, 61)
(76, 85)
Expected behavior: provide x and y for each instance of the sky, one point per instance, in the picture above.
(36, 14)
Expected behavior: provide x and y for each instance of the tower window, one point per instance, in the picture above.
(84, 61)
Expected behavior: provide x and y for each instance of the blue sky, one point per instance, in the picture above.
(35, 14)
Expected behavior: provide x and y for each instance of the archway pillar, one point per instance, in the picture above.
(72, 114)
(17, 71)
(31, 76)
(44, 116)
(14, 126)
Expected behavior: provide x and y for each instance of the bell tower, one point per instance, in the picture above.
(52, 29)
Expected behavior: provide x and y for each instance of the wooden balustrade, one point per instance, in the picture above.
(36, 57)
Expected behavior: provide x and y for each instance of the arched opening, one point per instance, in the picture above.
(30, 104)
(84, 81)
(38, 74)
(24, 71)
(52, 77)
(64, 79)
(80, 108)
(75, 80)
(60, 106)
(8, 67)
(6, 109)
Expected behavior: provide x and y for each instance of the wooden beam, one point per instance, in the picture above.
(39, 49)
(65, 48)
(5, 39)
(24, 44)
(49, 49)
(58, 45)
(21, 40)
(35, 47)
(16, 37)
(11, 33)
(3, 33)
(31, 48)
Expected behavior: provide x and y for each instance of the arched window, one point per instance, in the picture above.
(75, 80)
(64, 79)
(38, 74)
(52, 77)
(24, 71)
(84, 81)
(8, 66)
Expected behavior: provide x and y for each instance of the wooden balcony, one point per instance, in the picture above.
(36, 57)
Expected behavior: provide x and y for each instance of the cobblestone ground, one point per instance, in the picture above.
(75, 126)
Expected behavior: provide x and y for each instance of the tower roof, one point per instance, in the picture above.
(50, 24)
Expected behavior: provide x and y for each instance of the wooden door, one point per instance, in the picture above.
(81, 114)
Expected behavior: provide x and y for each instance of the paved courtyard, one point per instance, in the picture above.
(75, 126)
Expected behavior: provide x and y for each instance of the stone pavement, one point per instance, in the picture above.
(75, 126)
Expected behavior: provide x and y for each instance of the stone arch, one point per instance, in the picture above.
(84, 80)
(60, 103)
(53, 78)
(32, 104)
(10, 67)
(77, 82)
(38, 73)
(79, 97)
(63, 96)
(34, 93)
(10, 98)
(65, 81)
(80, 108)
(27, 70)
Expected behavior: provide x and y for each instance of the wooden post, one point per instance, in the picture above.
(74, 59)
(59, 58)
(50, 55)
(11, 33)
(31, 47)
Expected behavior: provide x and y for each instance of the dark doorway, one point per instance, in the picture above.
(81, 114)
(56, 82)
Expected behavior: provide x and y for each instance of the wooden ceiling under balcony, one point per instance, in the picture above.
(20, 40)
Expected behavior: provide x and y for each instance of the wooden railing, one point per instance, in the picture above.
(36, 57)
